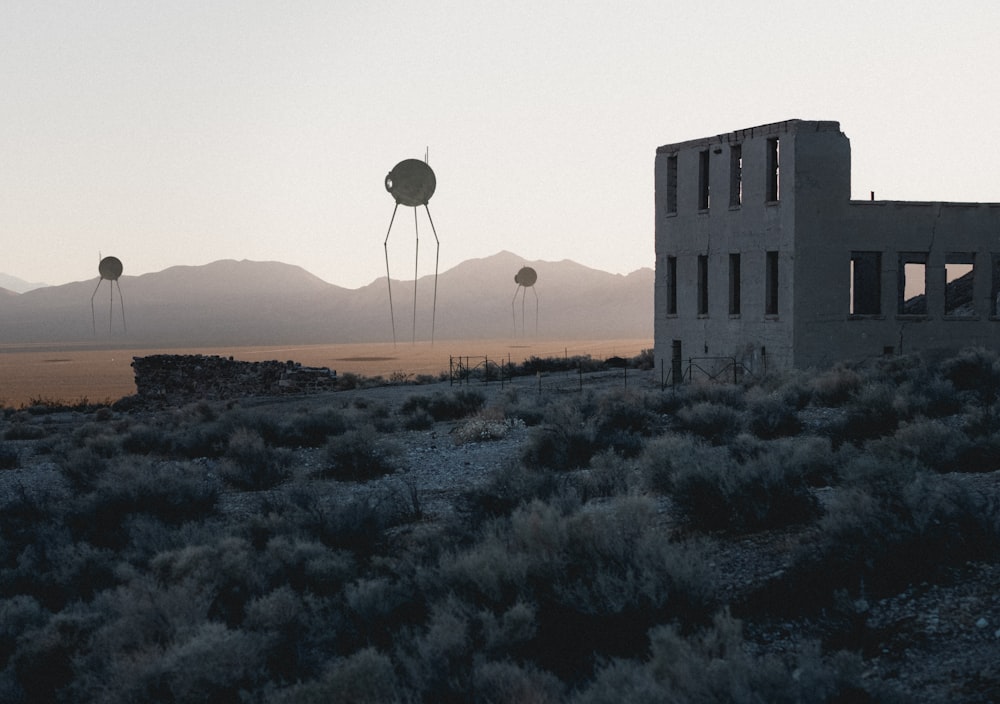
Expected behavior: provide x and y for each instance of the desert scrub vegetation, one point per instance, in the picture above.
(441, 406)
(574, 429)
(361, 454)
(589, 566)
(488, 424)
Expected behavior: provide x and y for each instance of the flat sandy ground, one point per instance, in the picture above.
(86, 371)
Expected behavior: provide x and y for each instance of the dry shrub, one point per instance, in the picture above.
(713, 665)
(503, 491)
(251, 464)
(506, 682)
(895, 524)
(664, 456)
(716, 422)
(489, 424)
(834, 387)
(771, 415)
(740, 498)
(360, 455)
(364, 677)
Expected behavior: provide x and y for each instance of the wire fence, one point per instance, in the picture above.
(502, 373)
(718, 369)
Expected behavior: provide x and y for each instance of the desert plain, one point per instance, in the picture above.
(103, 372)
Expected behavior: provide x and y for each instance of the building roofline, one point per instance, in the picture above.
(924, 203)
(774, 128)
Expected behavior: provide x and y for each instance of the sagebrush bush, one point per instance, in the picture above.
(562, 443)
(360, 524)
(974, 369)
(835, 386)
(771, 416)
(311, 428)
(621, 422)
(712, 392)
(10, 458)
(598, 579)
(870, 413)
(361, 454)
(486, 425)
(512, 485)
(418, 419)
(24, 431)
(936, 445)
(173, 493)
(712, 665)
(743, 497)
(609, 475)
(364, 677)
(663, 456)
(715, 422)
(895, 524)
(146, 439)
(441, 406)
(249, 463)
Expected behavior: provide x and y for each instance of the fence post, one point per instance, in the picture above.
(676, 372)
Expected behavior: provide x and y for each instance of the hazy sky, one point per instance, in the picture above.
(172, 132)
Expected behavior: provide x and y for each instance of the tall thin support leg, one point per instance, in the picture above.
(93, 315)
(121, 301)
(536, 310)
(388, 279)
(513, 315)
(416, 262)
(437, 256)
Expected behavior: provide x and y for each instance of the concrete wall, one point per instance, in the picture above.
(757, 225)
(814, 227)
(933, 230)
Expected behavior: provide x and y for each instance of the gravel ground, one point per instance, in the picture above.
(930, 643)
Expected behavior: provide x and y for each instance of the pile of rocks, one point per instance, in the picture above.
(170, 377)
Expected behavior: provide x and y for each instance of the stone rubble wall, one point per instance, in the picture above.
(170, 377)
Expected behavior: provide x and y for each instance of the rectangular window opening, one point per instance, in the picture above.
(735, 175)
(866, 283)
(912, 284)
(702, 284)
(771, 285)
(959, 277)
(734, 284)
(773, 169)
(671, 285)
(703, 182)
(672, 183)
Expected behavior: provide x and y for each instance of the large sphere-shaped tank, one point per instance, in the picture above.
(110, 268)
(526, 277)
(411, 182)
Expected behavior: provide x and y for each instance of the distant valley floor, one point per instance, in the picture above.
(97, 373)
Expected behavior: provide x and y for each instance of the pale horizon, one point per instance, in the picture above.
(178, 134)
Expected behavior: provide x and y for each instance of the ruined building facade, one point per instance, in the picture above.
(762, 256)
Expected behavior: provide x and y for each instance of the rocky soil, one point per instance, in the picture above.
(930, 643)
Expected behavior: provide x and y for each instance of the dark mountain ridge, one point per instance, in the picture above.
(232, 302)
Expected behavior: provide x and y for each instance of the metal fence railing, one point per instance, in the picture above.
(721, 369)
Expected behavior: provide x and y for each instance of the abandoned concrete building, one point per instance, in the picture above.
(763, 258)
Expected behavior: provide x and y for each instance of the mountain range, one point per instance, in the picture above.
(234, 303)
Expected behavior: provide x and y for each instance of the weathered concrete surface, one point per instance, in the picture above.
(784, 188)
